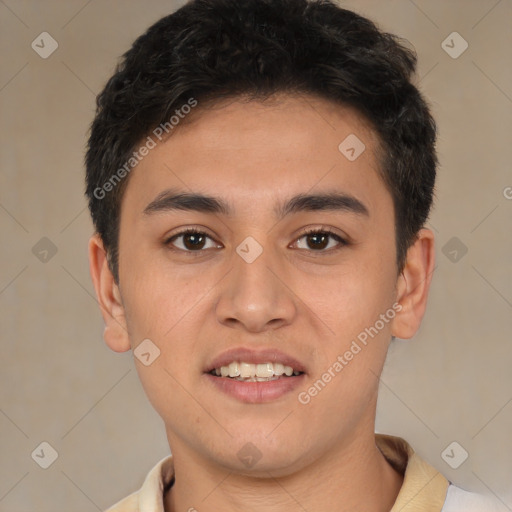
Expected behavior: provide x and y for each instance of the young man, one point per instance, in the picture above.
(259, 174)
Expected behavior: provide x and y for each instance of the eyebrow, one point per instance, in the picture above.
(171, 200)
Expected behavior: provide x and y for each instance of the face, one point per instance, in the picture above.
(287, 265)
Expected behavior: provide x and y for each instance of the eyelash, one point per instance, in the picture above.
(325, 231)
(312, 231)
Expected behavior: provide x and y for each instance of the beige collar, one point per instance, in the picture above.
(423, 490)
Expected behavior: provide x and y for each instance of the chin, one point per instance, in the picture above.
(261, 457)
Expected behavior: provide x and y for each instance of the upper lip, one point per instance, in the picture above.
(248, 355)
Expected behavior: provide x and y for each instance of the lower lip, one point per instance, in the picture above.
(256, 392)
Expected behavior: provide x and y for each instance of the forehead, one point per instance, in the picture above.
(252, 151)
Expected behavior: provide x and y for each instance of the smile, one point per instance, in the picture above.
(250, 372)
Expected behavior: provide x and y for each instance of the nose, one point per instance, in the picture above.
(255, 296)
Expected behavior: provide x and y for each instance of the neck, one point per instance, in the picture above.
(354, 476)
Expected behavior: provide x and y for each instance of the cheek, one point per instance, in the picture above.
(156, 297)
(352, 350)
(165, 310)
(348, 300)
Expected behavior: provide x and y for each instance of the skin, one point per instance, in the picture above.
(307, 302)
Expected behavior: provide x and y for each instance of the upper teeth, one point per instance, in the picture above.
(248, 370)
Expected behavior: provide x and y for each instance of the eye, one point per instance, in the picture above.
(320, 240)
(192, 240)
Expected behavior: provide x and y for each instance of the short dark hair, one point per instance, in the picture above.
(209, 50)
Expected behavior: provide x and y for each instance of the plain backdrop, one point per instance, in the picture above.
(61, 385)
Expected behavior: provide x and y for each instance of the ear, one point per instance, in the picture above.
(413, 285)
(109, 297)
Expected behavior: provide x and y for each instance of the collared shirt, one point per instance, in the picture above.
(424, 489)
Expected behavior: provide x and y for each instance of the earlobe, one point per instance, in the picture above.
(109, 297)
(413, 285)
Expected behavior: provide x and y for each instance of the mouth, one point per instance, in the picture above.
(252, 376)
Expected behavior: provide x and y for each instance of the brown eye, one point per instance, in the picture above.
(320, 240)
(191, 241)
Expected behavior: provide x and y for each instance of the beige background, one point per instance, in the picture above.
(59, 382)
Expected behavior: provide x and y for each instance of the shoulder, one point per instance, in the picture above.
(459, 500)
